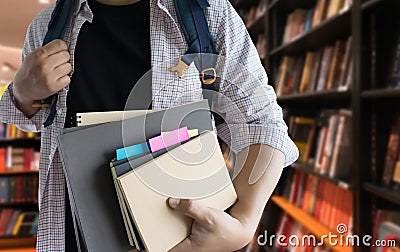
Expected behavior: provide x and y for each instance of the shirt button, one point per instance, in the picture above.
(59, 112)
(50, 157)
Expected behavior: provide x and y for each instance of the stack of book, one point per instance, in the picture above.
(154, 155)
(325, 142)
(19, 189)
(18, 223)
(328, 68)
(14, 159)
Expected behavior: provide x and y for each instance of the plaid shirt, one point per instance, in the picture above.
(262, 116)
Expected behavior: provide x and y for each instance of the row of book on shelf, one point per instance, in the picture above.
(291, 228)
(254, 13)
(331, 205)
(18, 223)
(327, 202)
(14, 159)
(391, 169)
(10, 131)
(329, 68)
(324, 142)
(19, 189)
(301, 20)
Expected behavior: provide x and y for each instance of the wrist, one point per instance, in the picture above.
(23, 104)
(19, 98)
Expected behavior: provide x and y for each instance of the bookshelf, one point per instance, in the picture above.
(18, 188)
(382, 193)
(17, 244)
(334, 96)
(309, 170)
(307, 221)
(373, 105)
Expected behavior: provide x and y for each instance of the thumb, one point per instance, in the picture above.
(205, 216)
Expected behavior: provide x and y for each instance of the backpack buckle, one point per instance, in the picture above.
(179, 68)
(40, 104)
(208, 78)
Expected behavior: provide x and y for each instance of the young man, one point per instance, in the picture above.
(109, 46)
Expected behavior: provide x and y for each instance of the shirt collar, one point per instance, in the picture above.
(78, 6)
(83, 5)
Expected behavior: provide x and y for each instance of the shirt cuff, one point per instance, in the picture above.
(240, 136)
(10, 114)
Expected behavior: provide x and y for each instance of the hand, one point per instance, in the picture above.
(212, 229)
(43, 73)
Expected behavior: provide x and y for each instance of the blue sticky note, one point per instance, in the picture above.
(133, 150)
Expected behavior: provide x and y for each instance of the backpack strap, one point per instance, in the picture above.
(60, 19)
(201, 43)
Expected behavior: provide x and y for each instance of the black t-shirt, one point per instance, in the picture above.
(111, 55)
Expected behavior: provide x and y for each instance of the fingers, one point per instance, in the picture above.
(64, 81)
(205, 216)
(53, 47)
(62, 70)
(58, 59)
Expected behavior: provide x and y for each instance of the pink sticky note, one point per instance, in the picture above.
(169, 139)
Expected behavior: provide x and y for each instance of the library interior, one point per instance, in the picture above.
(335, 68)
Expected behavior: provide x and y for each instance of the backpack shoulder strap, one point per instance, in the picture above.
(201, 43)
(60, 19)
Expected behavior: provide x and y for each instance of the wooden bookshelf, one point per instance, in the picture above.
(290, 4)
(308, 222)
(317, 97)
(28, 205)
(244, 4)
(370, 4)
(383, 193)
(310, 170)
(17, 173)
(336, 27)
(20, 141)
(377, 94)
(17, 244)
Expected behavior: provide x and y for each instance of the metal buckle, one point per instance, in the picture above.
(211, 80)
(40, 104)
(179, 68)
